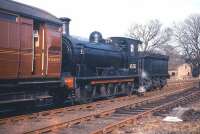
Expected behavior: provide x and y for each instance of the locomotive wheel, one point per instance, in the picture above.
(110, 91)
(124, 88)
(130, 88)
(86, 94)
(78, 94)
(94, 92)
(116, 89)
(103, 92)
(128, 91)
(84, 97)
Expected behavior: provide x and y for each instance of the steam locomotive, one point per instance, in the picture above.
(110, 67)
(41, 63)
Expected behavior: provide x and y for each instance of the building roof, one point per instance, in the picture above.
(28, 11)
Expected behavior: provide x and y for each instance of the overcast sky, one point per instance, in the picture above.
(113, 17)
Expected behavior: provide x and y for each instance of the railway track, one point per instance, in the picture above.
(130, 115)
(53, 120)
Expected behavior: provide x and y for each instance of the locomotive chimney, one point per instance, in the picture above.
(65, 22)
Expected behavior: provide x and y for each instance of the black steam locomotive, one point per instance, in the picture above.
(109, 67)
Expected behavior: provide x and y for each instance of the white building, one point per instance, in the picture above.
(183, 71)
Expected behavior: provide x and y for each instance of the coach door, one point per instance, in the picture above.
(9, 46)
(38, 68)
(26, 47)
(53, 51)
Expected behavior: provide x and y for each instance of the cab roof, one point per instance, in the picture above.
(125, 39)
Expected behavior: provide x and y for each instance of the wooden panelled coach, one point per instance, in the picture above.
(30, 52)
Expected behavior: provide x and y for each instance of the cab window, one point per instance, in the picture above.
(132, 48)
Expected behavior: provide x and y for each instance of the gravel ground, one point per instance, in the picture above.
(156, 125)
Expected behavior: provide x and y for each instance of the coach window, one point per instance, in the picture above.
(36, 38)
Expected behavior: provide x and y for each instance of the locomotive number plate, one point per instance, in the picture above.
(132, 66)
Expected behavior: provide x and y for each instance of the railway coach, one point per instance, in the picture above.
(30, 53)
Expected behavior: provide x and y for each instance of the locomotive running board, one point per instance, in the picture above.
(110, 81)
(106, 77)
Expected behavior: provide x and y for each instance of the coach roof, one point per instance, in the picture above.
(28, 11)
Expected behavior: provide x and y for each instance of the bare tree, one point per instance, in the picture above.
(188, 35)
(151, 34)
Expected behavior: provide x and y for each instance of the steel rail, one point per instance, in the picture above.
(104, 113)
(135, 118)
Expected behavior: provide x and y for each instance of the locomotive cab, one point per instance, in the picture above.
(130, 46)
(130, 50)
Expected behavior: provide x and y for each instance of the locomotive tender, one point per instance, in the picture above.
(41, 62)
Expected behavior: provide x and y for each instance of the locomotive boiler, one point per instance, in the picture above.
(93, 56)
